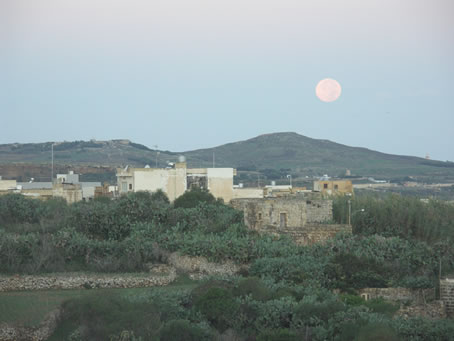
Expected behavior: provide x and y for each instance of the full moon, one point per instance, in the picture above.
(328, 90)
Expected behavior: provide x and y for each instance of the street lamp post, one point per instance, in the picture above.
(289, 176)
(350, 214)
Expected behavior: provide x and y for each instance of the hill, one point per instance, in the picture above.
(269, 154)
(310, 156)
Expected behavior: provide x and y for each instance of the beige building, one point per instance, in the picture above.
(7, 186)
(176, 180)
(333, 186)
(70, 192)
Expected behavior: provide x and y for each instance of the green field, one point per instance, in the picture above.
(29, 308)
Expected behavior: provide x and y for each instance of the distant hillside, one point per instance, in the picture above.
(106, 153)
(285, 152)
(310, 156)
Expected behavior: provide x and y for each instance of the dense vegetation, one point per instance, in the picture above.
(245, 308)
(286, 293)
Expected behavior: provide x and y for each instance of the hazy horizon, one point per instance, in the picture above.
(190, 75)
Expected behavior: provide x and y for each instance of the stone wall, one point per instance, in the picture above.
(447, 295)
(416, 296)
(80, 281)
(315, 233)
(41, 332)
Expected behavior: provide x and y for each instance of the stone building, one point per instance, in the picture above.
(333, 186)
(176, 180)
(307, 218)
(70, 192)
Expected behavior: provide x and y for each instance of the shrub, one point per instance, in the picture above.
(312, 312)
(182, 330)
(349, 271)
(103, 316)
(254, 287)
(193, 198)
(379, 305)
(377, 332)
(279, 335)
(218, 306)
(17, 209)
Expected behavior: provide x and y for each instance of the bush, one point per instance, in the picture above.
(17, 209)
(349, 271)
(193, 198)
(377, 332)
(254, 287)
(380, 306)
(312, 312)
(279, 335)
(103, 316)
(182, 330)
(218, 306)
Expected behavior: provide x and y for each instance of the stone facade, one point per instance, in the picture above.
(447, 295)
(307, 218)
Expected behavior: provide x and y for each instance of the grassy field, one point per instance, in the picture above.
(29, 308)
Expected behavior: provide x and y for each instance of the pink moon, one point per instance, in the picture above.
(328, 90)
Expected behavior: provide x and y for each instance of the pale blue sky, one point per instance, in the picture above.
(200, 73)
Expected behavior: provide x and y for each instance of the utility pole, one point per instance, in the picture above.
(349, 211)
(52, 173)
(213, 161)
(157, 154)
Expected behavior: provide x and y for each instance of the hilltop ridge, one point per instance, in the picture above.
(282, 150)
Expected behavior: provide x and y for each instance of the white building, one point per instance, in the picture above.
(176, 180)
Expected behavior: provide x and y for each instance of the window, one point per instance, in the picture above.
(336, 187)
(130, 187)
(325, 186)
(260, 216)
(283, 220)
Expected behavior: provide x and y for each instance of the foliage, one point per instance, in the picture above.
(254, 287)
(182, 330)
(279, 335)
(193, 197)
(398, 216)
(103, 316)
(377, 332)
(349, 271)
(218, 306)
(17, 209)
